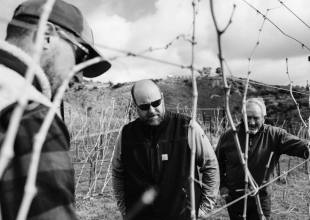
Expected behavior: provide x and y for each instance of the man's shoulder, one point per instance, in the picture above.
(177, 116)
(226, 139)
(34, 115)
(32, 111)
(56, 139)
(270, 129)
(132, 123)
(229, 132)
(5, 115)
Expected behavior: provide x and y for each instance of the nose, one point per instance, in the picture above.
(152, 109)
(251, 121)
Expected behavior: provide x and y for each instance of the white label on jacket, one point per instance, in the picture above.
(164, 157)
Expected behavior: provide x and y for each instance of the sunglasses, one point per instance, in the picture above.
(145, 107)
(81, 52)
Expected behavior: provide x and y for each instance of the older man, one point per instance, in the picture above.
(265, 142)
(154, 152)
(67, 41)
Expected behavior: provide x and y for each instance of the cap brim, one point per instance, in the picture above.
(98, 68)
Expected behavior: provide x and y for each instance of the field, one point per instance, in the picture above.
(93, 132)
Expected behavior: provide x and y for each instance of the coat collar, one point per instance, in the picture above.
(12, 82)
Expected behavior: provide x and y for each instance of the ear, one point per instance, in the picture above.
(48, 35)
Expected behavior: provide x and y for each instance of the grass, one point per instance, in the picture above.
(290, 200)
(93, 133)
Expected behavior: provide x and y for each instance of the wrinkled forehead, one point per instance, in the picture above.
(146, 93)
(253, 109)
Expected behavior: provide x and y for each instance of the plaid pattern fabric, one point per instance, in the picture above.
(55, 178)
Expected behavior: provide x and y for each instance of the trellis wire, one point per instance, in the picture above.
(254, 191)
(168, 63)
(166, 46)
(165, 62)
(290, 10)
(303, 45)
(267, 167)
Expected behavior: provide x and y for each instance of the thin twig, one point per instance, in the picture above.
(106, 144)
(194, 111)
(227, 94)
(230, 19)
(292, 96)
(260, 30)
(282, 3)
(245, 121)
(233, 78)
(248, 176)
(22, 102)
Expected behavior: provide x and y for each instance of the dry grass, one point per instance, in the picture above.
(91, 145)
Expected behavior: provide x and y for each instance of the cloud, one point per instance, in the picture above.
(154, 30)
(273, 71)
(137, 25)
(174, 17)
(6, 13)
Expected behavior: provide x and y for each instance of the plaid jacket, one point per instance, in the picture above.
(55, 178)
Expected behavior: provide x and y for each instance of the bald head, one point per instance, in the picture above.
(145, 91)
(149, 102)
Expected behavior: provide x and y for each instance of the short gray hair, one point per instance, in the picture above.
(259, 102)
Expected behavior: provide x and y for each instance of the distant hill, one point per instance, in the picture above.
(178, 92)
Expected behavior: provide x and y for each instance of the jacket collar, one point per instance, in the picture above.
(241, 128)
(17, 65)
(12, 81)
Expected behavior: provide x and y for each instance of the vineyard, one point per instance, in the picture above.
(94, 128)
(94, 116)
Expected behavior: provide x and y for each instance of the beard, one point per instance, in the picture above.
(153, 120)
(48, 67)
(253, 130)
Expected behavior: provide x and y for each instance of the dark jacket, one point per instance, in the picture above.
(144, 148)
(268, 139)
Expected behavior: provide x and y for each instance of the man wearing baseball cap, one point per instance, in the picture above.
(68, 41)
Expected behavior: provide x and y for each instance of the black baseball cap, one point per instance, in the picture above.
(70, 18)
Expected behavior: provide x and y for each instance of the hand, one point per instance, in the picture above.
(202, 213)
(224, 191)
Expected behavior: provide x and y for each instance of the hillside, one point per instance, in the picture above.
(178, 91)
(95, 112)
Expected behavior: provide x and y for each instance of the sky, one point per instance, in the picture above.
(137, 25)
